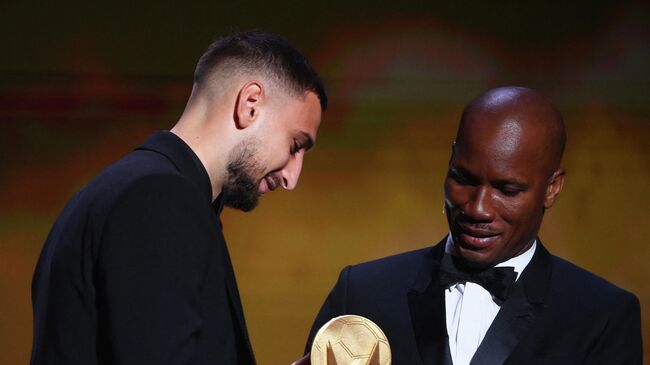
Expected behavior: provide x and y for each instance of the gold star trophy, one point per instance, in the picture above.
(350, 340)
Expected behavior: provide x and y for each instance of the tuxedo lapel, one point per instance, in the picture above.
(427, 307)
(518, 313)
(509, 326)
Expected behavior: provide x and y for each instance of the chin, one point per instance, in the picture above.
(245, 202)
(475, 259)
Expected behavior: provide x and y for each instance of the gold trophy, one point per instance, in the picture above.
(350, 340)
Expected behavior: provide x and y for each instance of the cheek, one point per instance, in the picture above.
(455, 195)
(281, 159)
(508, 208)
(274, 155)
(519, 214)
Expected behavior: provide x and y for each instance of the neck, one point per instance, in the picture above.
(207, 141)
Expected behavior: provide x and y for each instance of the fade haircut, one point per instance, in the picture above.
(259, 53)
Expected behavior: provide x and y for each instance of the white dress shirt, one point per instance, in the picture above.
(471, 309)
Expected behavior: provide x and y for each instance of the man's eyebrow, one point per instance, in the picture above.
(461, 170)
(463, 173)
(515, 182)
(307, 142)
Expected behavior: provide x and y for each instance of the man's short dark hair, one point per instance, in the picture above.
(261, 52)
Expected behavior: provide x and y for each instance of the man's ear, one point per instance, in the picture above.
(554, 187)
(247, 104)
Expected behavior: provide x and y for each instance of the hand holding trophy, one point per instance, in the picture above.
(349, 340)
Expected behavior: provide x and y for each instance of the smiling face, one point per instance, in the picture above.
(273, 157)
(501, 178)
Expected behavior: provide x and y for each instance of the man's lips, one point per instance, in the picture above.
(272, 183)
(477, 238)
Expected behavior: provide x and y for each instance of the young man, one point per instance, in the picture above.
(136, 270)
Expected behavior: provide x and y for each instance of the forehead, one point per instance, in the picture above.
(504, 147)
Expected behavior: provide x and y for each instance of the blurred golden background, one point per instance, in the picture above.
(81, 84)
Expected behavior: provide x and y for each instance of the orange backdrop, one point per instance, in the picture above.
(80, 86)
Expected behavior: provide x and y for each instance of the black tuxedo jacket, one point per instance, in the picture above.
(557, 314)
(136, 270)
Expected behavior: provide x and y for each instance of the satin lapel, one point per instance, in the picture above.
(427, 307)
(509, 326)
(518, 313)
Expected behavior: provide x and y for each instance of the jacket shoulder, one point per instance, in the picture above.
(598, 320)
(132, 167)
(575, 278)
(137, 170)
(138, 177)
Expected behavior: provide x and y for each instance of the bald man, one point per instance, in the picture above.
(136, 270)
(489, 292)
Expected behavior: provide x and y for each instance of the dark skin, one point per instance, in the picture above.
(503, 174)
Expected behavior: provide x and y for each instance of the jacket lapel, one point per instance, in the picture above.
(518, 312)
(427, 307)
(188, 164)
(233, 295)
(231, 285)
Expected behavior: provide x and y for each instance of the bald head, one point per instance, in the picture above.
(504, 173)
(512, 116)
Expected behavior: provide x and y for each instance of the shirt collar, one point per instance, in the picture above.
(519, 262)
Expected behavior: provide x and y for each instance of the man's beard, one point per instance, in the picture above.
(241, 189)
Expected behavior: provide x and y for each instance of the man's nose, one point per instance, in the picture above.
(291, 172)
(479, 206)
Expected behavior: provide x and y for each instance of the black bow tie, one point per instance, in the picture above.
(497, 280)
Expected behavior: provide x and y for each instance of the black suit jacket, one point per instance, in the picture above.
(557, 314)
(136, 270)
